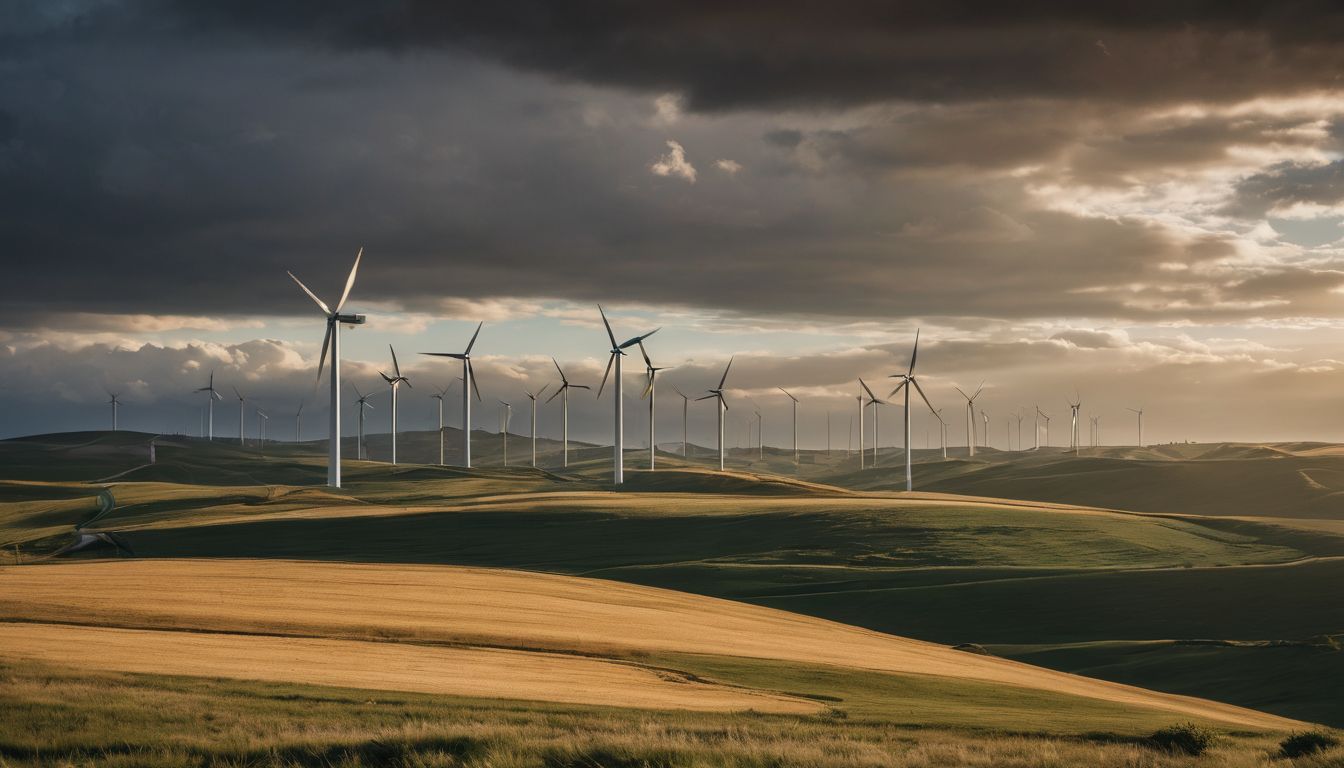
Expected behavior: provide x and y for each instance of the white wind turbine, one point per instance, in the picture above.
(332, 341)
(863, 416)
(909, 381)
(395, 383)
(651, 392)
(720, 405)
(1045, 416)
(942, 430)
(984, 418)
(1074, 405)
(361, 404)
(795, 423)
(617, 352)
(970, 417)
(685, 409)
(873, 401)
(1019, 416)
(439, 396)
(505, 417)
(211, 398)
(115, 403)
(468, 386)
(262, 418)
(563, 394)
(533, 398)
(241, 414)
(298, 424)
(1138, 412)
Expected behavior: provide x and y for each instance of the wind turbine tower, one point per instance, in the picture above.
(651, 392)
(873, 401)
(970, 418)
(1138, 412)
(1074, 405)
(395, 383)
(795, 425)
(533, 398)
(332, 341)
(618, 425)
(685, 409)
(504, 418)
(563, 394)
(720, 405)
(115, 403)
(908, 382)
(361, 404)
(468, 386)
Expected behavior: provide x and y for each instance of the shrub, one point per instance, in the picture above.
(1186, 738)
(1307, 743)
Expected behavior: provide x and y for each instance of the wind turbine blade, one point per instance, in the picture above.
(647, 362)
(386, 378)
(358, 394)
(898, 387)
(726, 369)
(395, 366)
(610, 335)
(978, 390)
(563, 380)
(236, 392)
(648, 388)
(216, 395)
(963, 394)
(610, 360)
(578, 386)
(706, 397)
(471, 372)
(723, 400)
(639, 339)
(322, 305)
(920, 390)
(350, 281)
(914, 354)
(864, 384)
(322, 361)
(472, 343)
(541, 391)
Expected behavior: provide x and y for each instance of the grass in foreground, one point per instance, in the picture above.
(66, 717)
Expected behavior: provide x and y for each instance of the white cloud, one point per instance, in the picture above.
(674, 163)
(667, 108)
(730, 167)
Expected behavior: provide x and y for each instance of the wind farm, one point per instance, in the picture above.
(738, 548)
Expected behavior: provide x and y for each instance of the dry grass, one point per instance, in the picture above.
(513, 609)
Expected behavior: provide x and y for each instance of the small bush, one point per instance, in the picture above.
(1308, 743)
(1186, 738)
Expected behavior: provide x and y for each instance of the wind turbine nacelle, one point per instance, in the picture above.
(350, 319)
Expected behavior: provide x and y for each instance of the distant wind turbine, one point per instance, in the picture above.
(942, 430)
(1138, 412)
(468, 386)
(720, 405)
(298, 423)
(361, 404)
(563, 394)
(618, 420)
(262, 418)
(1045, 416)
(685, 408)
(211, 398)
(1074, 405)
(909, 381)
(795, 424)
(395, 381)
(439, 396)
(115, 403)
(651, 392)
(970, 417)
(241, 402)
(1019, 416)
(332, 341)
(873, 401)
(533, 398)
(984, 418)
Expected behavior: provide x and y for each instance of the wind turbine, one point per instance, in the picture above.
(874, 401)
(942, 430)
(439, 396)
(361, 404)
(909, 381)
(533, 398)
(1139, 412)
(685, 408)
(468, 386)
(563, 394)
(241, 401)
(505, 417)
(721, 406)
(1074, 405)
(760, 431)
(984, 417)
(863, 416)
(395, 383)
(262, 418)
(970, 417)
(211, 400)
(1019, 416)
(651, 392)
(1047, 426)
(298, 423)
(332, 340)
(795, 424)
(617, 352)
(115, 403)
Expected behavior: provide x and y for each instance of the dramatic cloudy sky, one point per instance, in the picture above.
(1139, 201)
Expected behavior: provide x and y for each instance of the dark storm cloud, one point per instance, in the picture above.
(734, 54)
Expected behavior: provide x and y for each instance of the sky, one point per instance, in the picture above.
(1136, 204)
